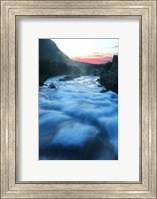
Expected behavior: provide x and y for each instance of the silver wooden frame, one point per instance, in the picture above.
(10, 11)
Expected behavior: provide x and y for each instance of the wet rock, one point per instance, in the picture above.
(103, 91)
(52, 86)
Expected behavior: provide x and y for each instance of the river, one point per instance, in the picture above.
(77, 121)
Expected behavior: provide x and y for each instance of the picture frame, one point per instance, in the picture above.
(10, 11)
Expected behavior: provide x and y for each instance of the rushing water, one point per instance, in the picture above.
(77, 121)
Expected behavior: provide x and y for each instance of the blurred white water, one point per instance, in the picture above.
(77, 121)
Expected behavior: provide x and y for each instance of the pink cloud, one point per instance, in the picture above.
(94, 59)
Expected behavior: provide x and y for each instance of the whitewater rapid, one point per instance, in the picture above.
(77, 121)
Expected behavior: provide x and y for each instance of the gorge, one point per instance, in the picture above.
(78, 107)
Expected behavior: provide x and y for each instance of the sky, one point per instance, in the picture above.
(96, 51)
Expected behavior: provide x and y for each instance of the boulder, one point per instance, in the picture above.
(52, 86)
(103, 91)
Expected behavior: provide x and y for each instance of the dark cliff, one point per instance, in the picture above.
(109, 78)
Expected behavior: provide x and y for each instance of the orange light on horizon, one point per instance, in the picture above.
(93, 60)
(95, 51)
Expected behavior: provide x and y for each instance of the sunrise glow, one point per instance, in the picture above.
(96, 51)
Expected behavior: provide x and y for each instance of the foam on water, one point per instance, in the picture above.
(77, 121)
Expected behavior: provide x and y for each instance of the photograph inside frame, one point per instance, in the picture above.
(78, 99)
